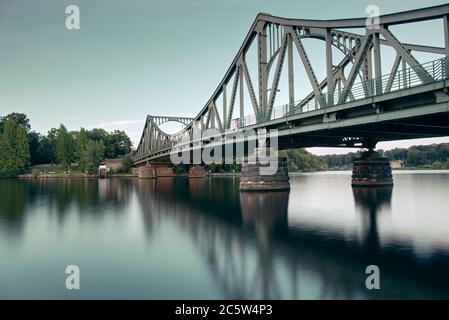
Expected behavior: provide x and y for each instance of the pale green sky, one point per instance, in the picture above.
(132, 58)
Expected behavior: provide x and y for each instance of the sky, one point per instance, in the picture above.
(161, 57)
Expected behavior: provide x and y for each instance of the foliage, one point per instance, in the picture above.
(33, 141)
(64, 147)
(437, 165)
(222, 168)
(433, 156)
(127, 163)
(340, 161)
(301, 160)
(61, 146)
(14, 149)
(18, 118)
(181, 168)
(81, 142)
(117, 144)
(92, 156)
(46, 150)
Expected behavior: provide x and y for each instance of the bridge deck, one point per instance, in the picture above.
(409, 102)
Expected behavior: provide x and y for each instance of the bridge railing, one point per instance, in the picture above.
(435, 70)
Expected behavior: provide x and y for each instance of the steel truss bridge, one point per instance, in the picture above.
(356, 105)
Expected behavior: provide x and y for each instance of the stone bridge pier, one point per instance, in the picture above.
(156, 170)
(371, 170)
(264, 170)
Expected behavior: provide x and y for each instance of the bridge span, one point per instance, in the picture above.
(355, 105)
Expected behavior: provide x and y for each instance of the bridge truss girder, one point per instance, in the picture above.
(278, 41)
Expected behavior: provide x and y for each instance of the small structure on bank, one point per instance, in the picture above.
(397, 164)
(103, 170)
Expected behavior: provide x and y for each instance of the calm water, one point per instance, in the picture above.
(202, 239)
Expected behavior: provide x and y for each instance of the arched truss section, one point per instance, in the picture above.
(153, 138)
(279, 39)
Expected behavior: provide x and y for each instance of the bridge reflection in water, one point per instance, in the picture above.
(238, 245)
(253, 253)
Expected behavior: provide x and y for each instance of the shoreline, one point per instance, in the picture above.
(215, 174)
(73, 176)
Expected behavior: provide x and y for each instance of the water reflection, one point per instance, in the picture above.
(246, 240)
(370, 200)
(265, 213)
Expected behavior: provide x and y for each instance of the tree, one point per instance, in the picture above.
(80, 146)
(52, 136)
(64, 147)
(14, 149)
(93, 155)
(97, 134)
(34, 140)
(413, 156)
(45, 151)
(301, 160)
(117, 144)
(127, 163)
(18, 118)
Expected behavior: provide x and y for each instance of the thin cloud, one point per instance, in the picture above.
(132, 127)
(119, 124)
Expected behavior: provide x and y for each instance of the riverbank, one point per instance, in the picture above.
(225, 174)
(79, 175)
(73, 176)
(394, 169)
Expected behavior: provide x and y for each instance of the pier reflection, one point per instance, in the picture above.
(251, 251)
(370, 201)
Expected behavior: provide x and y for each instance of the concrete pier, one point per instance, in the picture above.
(147, 172)
(257, 176)
(197, 171)
(371, 170)
(164, 170)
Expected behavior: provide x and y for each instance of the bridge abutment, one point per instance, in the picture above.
(147, 172)
(156, 170)
(264, 171)
(164, 170)
(197, 171)
(371, 170)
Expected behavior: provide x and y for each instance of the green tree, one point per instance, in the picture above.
(18, 118)
(64, 147)
(80, 146)
(14, 149)
(127, 163)
(34, 140)
(93, 155)
(301, 160)
(97, 135)
(117, 144)
(46, 151)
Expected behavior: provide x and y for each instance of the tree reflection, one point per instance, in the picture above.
(60, 196)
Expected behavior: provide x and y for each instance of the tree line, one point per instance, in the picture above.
(21, 148)
(435, 156)
(303, 161)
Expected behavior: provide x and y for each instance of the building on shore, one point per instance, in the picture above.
(397, 164)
